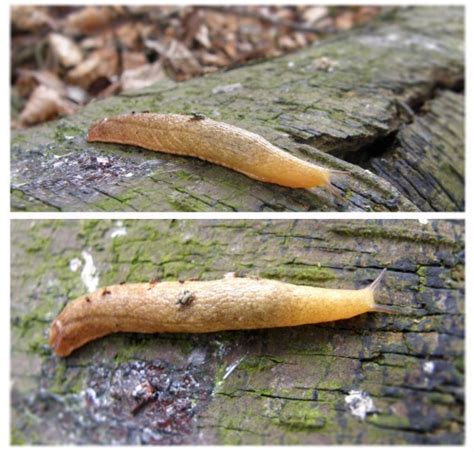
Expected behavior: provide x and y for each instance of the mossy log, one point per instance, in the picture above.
(384, 102)
(274, 386)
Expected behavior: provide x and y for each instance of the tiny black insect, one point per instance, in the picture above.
(197, 116)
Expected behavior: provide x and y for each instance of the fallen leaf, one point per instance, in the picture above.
(65, 50)
(89, 20)
(100, 63)
(142, 77)
(286, 42)
(202, 36)
(31, 18)
(133, 60)
(28, 80)
(314, 14)
(44, 104)
(345, 20)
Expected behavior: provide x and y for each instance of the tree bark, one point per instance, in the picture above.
(276, 386)
(384, 103)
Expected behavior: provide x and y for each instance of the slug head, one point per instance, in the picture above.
(97, 129)
(57, 340)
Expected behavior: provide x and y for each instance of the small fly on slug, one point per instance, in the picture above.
(185, 298)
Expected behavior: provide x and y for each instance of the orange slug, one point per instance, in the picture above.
(230, 303)
(215, 142)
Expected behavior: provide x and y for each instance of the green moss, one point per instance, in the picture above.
(389, 420)
(298, 273)
(300, 416)
(136, 346)
(421, 272)
(371, 229)
(64, 133)
(21, 202)
(38, 243)
(16, 438)
(57, 383)
(66, 380)
(256, 364)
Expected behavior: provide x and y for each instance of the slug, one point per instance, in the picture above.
(215, 142)
(230, 303)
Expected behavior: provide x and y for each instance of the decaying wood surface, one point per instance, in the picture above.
(277, 386)
(384, 102)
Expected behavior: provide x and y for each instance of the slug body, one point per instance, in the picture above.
(215, 142)
(202, 306)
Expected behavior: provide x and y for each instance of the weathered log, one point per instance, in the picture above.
(354, 102)
(277, 386)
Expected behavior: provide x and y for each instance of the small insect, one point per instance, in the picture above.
(105, 291)
(88, 299)
(185, 298)
(181, 281)
(153, 283)
(197, 116)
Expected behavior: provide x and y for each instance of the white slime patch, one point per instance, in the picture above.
(428, 367)
(360, 404)
(75, 264)
(118, 230)
(89, 275)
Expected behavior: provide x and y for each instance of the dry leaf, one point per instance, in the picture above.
(345, 20)
(133, 60)
(89, 19)
(182, 61)
(129, 35)
(101, 63)
(202, 36)
(77, 94)
(28, 80)
(44, 104)
(300, 39)
(142, 77)
(30, 18)
(65, 50)
(191, 24)
(314, 14)
(213, 59)
(286, 42)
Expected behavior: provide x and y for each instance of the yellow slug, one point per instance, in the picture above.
(215, 142)
(203, 306)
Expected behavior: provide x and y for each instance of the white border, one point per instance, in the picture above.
(6, 215)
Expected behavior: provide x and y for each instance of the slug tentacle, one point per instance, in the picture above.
(373, 286)
(385, 309)
(55, 334)
(333, 190)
